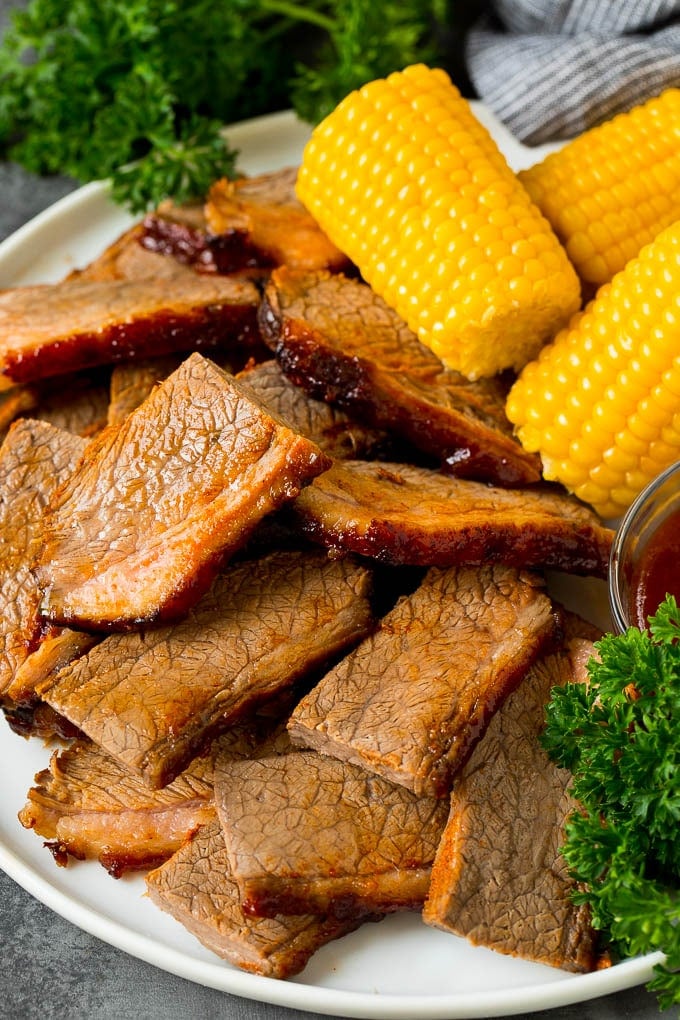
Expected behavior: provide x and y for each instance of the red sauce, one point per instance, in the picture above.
(658, 573)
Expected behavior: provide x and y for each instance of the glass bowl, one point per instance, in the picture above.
(645, 555)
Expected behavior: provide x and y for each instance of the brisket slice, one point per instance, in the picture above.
(51, 655)
(197, 888)
(154, 699)
(89, 807)
(412, 700)
(78, 402)
(499, 878)
(51, 329)
(34, 458)
(127, 259)
(157, 505)
(14, 403)
(133, 381)
(307, 833)
(401, 514)
(331, 429)
(341, 342)
(259, 221)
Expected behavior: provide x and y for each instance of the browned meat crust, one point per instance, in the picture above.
(499, 878)
(197, 888)
(90, 807)
(52, 329)
(156, 506)
(34, 458)
(259, 221)
(153, 699)
(341, 343)
(51, 655)
(412, 700)
(307, 833)
(401, 514)
(331, 429)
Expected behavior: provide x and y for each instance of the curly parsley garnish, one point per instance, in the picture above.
(137, 90)
(619, 734)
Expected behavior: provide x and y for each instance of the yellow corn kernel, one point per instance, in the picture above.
(620, 356)
(461, 252)
(612, 189)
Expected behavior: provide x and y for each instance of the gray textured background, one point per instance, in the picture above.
(48, 967)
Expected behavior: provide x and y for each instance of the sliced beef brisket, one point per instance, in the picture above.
(338, 340)
(259, 221)
(157, 505)
(401, 514)
(89, 807)
(307, 833)
(197, 888)
(335, 432)
(51, 329)
(499, 878)
(34, 459)
(153, 699)
(412, 700)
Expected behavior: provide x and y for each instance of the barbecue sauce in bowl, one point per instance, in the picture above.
(645, 559)
(657, 571)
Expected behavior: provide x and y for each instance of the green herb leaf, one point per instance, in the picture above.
(138, 89)
(619, 734)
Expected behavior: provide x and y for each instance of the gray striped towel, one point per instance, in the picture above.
(550, 69)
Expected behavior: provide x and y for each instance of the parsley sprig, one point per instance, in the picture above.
(138, 90)
(619, 734)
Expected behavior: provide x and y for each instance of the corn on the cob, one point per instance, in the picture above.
(407, 182)
(614, 188)
(601, 403)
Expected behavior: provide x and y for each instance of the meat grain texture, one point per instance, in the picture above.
(34, 458)
(196, 886)
(156, 506)
(89, 806)
(310, 834)
(499, 879)
(50, 329)
(154, 698)
(411, 701)
(140, 535)
(403, 514)
(340, 342)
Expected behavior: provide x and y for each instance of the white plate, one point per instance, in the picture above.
(398, 968)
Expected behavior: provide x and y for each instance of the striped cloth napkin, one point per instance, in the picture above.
(552, 68)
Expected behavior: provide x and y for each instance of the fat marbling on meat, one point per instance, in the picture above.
(50, 329)
(158, 504)
(88, 806)
(403, 514)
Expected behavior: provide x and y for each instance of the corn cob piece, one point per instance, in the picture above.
(405, 180)
(614, 188)
(601, 403)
